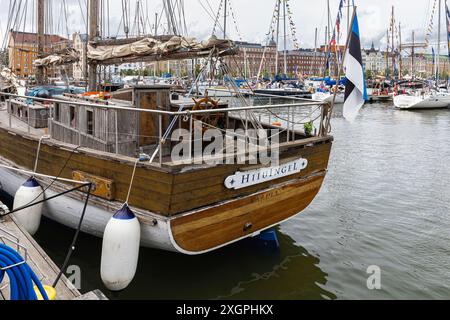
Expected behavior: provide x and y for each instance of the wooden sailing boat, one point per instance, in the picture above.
(191, 206)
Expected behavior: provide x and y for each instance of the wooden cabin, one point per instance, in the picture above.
(113, 131)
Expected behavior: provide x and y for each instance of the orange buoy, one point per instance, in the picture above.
(276, 123)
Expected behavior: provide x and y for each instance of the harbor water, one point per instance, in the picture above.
(385, 203)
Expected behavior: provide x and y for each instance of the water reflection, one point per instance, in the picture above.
(246, 270)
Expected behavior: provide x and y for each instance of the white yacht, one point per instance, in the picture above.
(328, 97)
(422, 100)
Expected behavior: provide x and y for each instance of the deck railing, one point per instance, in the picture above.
(190, 115)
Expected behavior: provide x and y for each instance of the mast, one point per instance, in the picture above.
(225, 20)
(329, 20)
(400, 49)
(438, 60)
(413, 52)
(315, 54)
(93, 35)
(387, 55)
(393, 43)
(326, 52)
(41, 38)
(285, 36)
(278, 36)
(329, 48)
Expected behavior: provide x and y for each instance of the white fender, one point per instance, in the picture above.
(120, 251)
(30, 218)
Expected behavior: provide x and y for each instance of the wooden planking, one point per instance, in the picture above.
(317, 157)
(150, 191)
(220, 225)
(208, 190)
(148, 129)
(155, 190)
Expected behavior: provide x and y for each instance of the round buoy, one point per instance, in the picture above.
(120, 251)
(30, 192)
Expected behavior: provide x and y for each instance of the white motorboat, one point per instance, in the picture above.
(328, 97)
(433, 100)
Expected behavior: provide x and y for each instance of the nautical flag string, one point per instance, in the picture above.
(355, 89)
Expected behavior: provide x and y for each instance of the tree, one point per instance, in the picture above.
(369, 74)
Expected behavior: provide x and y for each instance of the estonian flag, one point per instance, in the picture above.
(355, 89)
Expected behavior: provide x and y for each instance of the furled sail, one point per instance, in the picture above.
(67, 56)
(153, 49)
(8, 81)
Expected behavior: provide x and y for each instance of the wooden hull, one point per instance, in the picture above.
(183, 210)
(235, 220)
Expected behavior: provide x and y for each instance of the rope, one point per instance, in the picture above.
(132, 179)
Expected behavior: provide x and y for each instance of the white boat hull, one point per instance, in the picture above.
(67, 211)
(407, 102)
(327, 97)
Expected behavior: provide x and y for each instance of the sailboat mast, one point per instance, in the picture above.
(329, 20)
(393, 43)
(285, 37)
(278, 36)
(41, 38)
(93, 35)
(400, 49)
(225, 20)
(315, 54)
(413, 53)
(438, 68)
(387, 54)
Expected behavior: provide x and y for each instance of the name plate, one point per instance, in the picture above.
(250, 178)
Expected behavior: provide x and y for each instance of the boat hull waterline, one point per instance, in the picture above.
(417, 102)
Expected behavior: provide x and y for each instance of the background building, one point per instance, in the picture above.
(303, 62)
(23, 50)
(79, 44)
(374, 61)
(253, 59)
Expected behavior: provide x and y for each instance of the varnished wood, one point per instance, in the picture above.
(222, 224)
(158, 190)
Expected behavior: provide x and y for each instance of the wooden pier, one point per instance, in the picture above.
(45, 269)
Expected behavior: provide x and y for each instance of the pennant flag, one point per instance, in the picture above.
(355, 89)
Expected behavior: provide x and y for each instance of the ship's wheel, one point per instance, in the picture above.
(209, 120)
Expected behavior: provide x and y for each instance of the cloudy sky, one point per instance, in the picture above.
(253, 17)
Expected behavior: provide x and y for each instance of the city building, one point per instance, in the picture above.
(253, 59)
(374, 60)
(79, 44)
(23, 50)
(303, 62)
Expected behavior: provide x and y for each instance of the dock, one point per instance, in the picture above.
(38, 260)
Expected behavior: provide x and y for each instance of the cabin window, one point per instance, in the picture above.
(90, 122)
(73, 123)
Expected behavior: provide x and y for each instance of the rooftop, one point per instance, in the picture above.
(28, 37)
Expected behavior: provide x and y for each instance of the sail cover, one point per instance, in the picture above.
(152, 49)
(9, 81)
(67, 56)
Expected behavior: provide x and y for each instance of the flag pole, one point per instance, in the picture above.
(341, 68)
